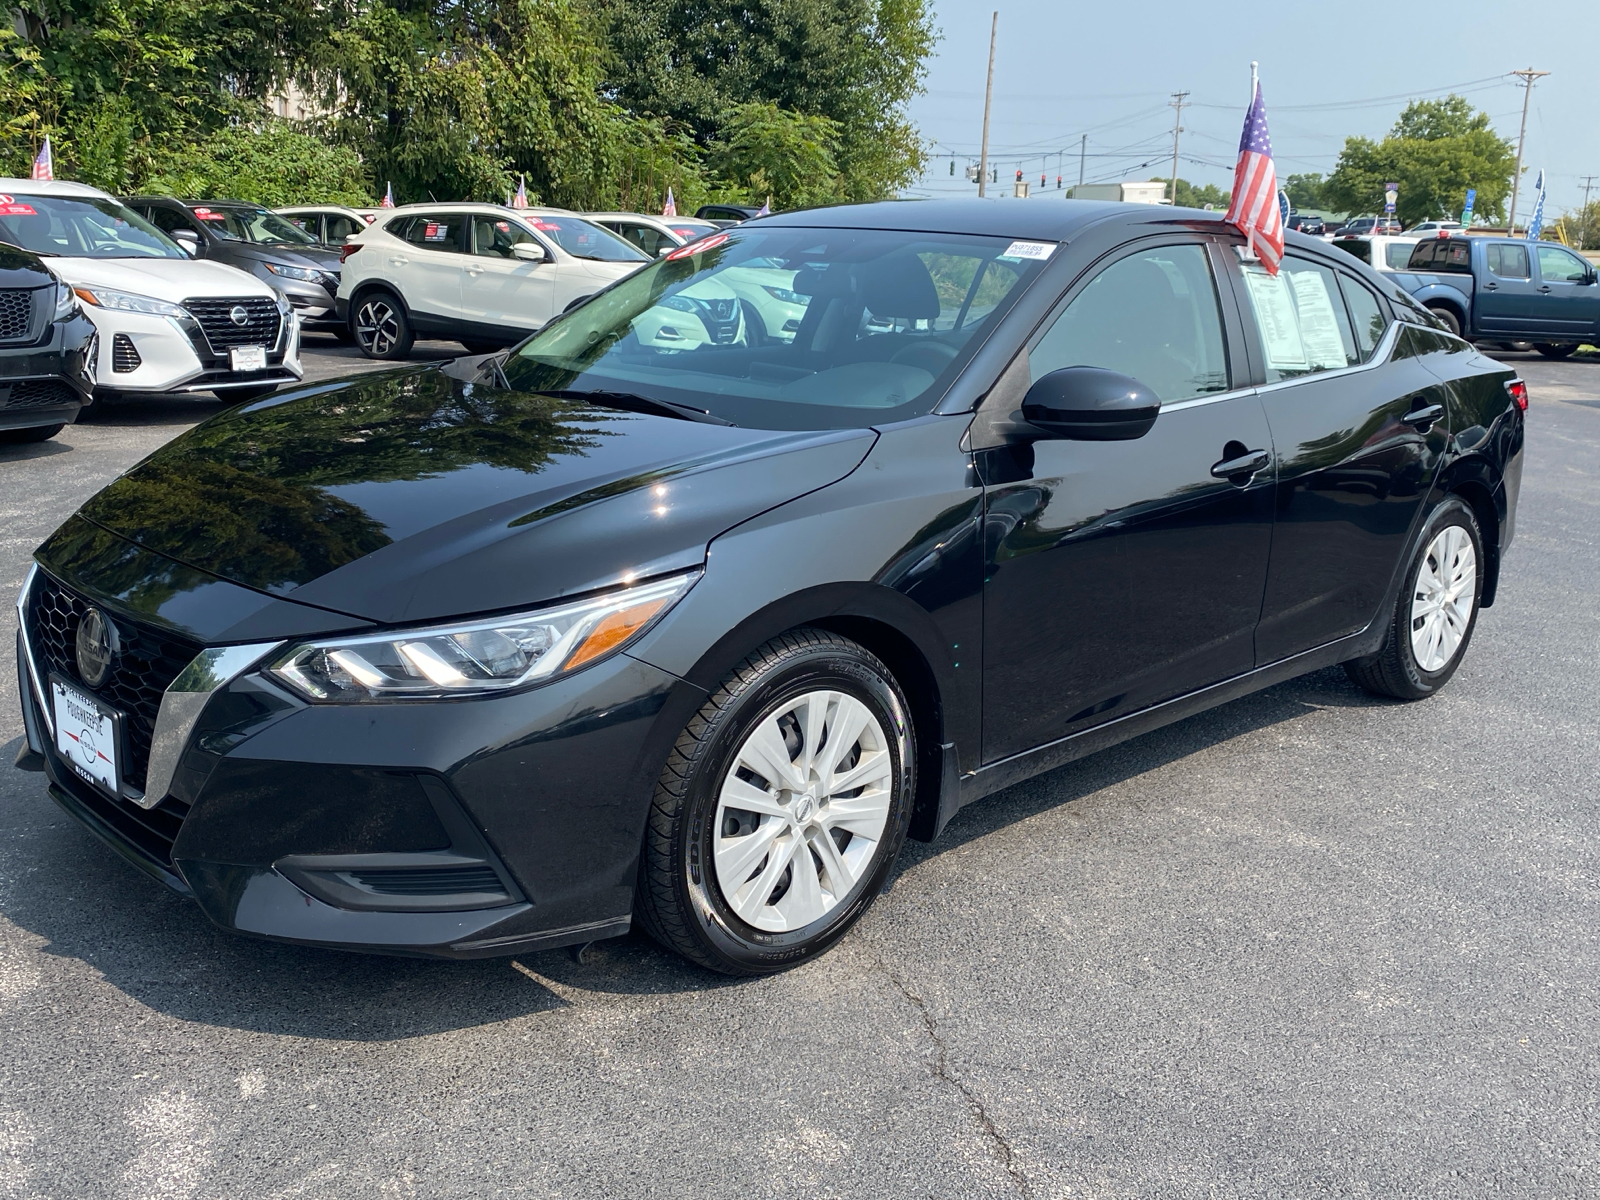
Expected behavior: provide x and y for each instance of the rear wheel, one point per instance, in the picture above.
(37, 433)
(781, 808)
(1436, 612)
(380, 327)
(1452, 323)
(1555, 349)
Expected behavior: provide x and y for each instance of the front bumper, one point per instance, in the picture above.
(46, 384)
(173, 356)
(278, 810)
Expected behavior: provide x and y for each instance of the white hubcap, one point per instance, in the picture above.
(802, 810)
(1441, 606)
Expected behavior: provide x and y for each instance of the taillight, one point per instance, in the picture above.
(346, 250)
(1519, 393)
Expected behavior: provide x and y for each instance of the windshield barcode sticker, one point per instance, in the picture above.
(1034, 250)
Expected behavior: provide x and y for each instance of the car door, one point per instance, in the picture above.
(1121, 574)
(428, 268)
(646, 237)
(1360, 427)
(1508, 299)
(1571, 306)
(500, 289)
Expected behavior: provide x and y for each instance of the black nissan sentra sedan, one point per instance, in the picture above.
(696, 630)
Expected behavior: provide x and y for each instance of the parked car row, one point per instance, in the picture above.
(103, 298)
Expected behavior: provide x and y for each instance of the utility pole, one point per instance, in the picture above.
(988, 95)
(1177, 105)
(1083, 151)
(1583, 227)
(1527, 75)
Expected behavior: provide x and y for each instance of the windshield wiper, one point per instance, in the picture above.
(633, 402)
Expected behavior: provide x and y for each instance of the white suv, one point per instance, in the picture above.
(481, 274)
(166, 322)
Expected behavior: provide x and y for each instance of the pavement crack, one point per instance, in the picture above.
(940, 1070)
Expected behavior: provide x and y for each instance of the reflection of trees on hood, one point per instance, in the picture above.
(252, 488)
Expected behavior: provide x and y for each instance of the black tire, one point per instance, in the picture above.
(380, 326)
(1394, 670)
(342, 335)
(1451, 321)
(35, 433)
(1555, 349)
(679, 901)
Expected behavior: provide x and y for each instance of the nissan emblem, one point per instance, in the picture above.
(239, 315)
(96, 645)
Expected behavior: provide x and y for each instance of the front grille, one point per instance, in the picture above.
(41, 393)
(146, 662)
(260, 327)
(441, 881)
(124, 355)
(16, 311)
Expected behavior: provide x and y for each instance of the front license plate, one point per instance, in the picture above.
(248, 358)
(86, 735)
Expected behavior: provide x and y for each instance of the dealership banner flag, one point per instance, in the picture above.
(1254, 208)
(44, 166)
(388, 197)
(669, 209)
(1536, 222)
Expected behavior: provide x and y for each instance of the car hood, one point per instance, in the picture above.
(412, 496)
(170, 279)
(297, 254)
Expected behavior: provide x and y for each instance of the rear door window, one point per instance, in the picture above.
(339, 227)
(1367, 318)
(437, 231)
(1508, 262)
(1300, 319)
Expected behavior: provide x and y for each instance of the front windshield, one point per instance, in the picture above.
(81, 227)
(250, 225)
(584, 239)
(777, 327)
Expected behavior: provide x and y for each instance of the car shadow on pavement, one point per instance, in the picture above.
(19, 451)
(156, 947)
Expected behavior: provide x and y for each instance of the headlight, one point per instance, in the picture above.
(128, 302)
(679, 303)
(66, 302)
(303, 274)
(784, 294)
(482, 656)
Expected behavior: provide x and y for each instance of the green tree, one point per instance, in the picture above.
(1191, 196)
(767, 151)
(1435, 152)
(271, 162)
(1306, 191)
(855, 62)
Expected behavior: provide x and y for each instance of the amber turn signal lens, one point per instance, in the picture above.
(614, 630)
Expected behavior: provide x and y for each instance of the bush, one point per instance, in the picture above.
(271, 163)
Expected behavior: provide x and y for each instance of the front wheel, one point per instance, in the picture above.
(1436, 612)
(381, 328)
(1555, 349)
(781, 809)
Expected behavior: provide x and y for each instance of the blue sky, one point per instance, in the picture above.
(1327, 71)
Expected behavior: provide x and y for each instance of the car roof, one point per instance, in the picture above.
(52, 187)
(1056, 220)
(479, 206)
(627, 216)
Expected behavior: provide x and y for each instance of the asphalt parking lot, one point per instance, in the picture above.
(1308, 944)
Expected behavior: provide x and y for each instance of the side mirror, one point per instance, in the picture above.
(1090, 404)
(189, 240)
(528, 252)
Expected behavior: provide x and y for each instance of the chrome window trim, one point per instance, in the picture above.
(1380, 356)
(45, 714)
(183, 702)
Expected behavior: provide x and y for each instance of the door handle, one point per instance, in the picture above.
(474, 270)
(1544, 289)
(1424, 416)
(1491, 286)
(1241, 470)
(398, 260)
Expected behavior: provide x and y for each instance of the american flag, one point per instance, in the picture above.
(520, 200)
(670, 208)
(388, 197)
(44, 165)
(1255, 190)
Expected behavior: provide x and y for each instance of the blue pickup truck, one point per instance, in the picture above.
(1507, 290)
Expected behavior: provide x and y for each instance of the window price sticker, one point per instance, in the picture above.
(1038, 251)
